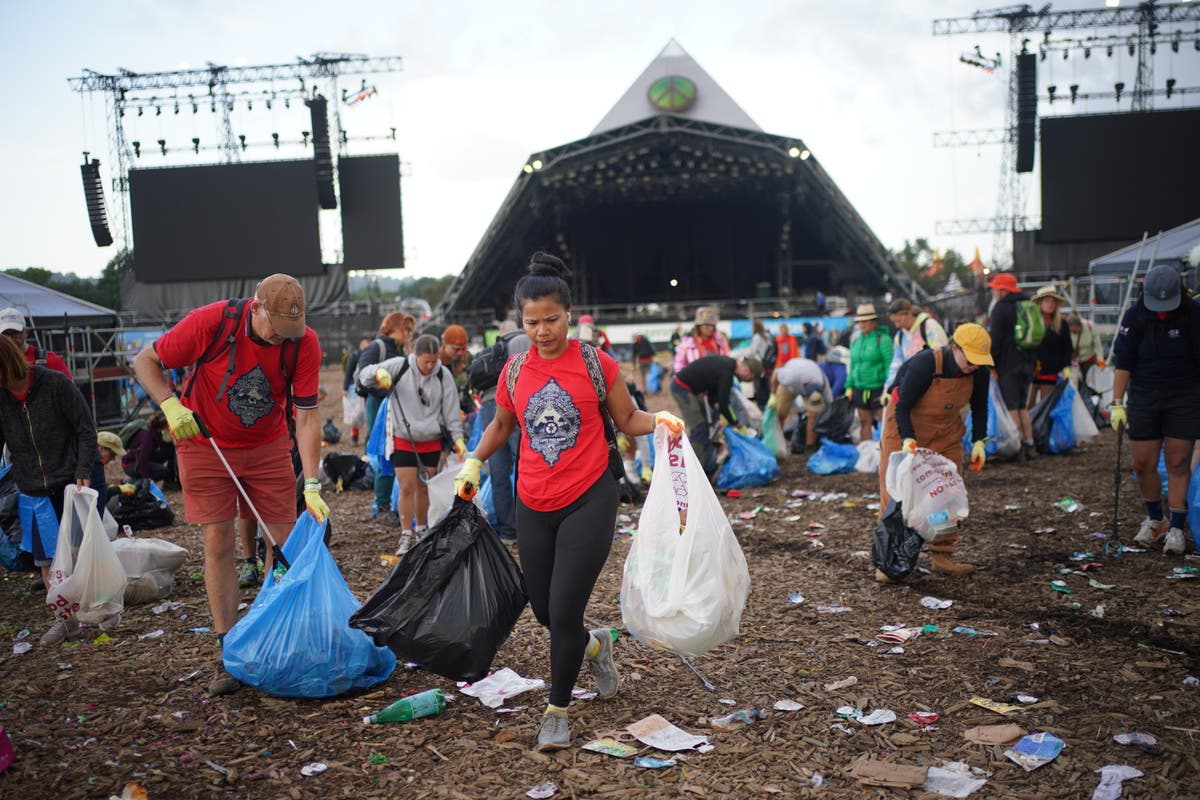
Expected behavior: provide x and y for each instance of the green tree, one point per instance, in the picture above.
(917, 257)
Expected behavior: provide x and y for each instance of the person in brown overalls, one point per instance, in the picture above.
(927, 399)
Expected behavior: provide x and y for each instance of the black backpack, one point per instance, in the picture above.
(486, 366)
(772, 353)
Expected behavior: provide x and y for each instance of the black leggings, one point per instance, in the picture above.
(560, 579)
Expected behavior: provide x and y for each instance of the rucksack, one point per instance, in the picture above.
(770, 355)
(1029, 329)
(486, 366)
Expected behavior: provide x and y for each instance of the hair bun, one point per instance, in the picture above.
(541, 263)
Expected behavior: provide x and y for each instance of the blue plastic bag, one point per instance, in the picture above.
(476, 433)
(1062, 423)
(376, 449)
(1193, 498)
(832, 458)
(750, 463)
(296, 641)
(654, 378)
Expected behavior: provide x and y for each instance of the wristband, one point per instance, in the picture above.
(312, 482)
(1117, 404)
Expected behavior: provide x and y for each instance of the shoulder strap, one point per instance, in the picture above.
(514, 369)
(924, 337)
(221, 341)
(938, 362)
(591, 360)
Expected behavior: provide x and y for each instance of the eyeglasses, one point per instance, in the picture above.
(421, 396)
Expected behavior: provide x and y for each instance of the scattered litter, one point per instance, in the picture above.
(833, 609)
(743, 717)
(1061, 586)
(1070, 505)
(1146, 741)
(736, 493)
(650, 762)
(151, 635)
(63, 666)
(377, 759)
(1045, 530)
(103, 638)
(1129, 548)
(543, 790)
(840, 727)
(992, 705)
(787, 705)
(610, 747)
(1183, 574)
(502, 684)
(244, 606)
(880, 716)
(1016, 546)
(858, 553)
(1035, 750)
(842, 684)
(899, 635)
(796, 599)
(662, 735)
(750, 514)
(313, 768)
(580, 694)
(1013, 507)
(1191, 680)
(512, 710)
(1098, 611)
(389, 560)
(727, 701)
(994, 734)
(189, 676)
(887, 773)
(170, 605)
(935, 603)
(197, 630)
(21, 648)
(923, 717)
(1021, 697)
(953, 779)
(1079, 556)
(848, 712)
(1111, 778)
(963, 629)
(132, 790)
(1095, 584)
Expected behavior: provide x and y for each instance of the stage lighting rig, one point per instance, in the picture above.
(976, 58)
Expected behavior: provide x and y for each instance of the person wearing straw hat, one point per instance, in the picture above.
(1156, 356)
(268, 361)
(703, 340)
(927, 398)
(870, 356)
(1055, 350)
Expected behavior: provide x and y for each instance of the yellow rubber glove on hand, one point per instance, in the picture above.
(383, 378)
(884, 399)
(314, 503)
(1067, 373)
(771, 403)
(466, 483)
(674, 424)
(849, 393)
(180, 420)
(978, 456)
(1116, 416)
(909, 446)
(460, 447)
(647, 473)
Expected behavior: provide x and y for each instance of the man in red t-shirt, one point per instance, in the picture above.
(241, 397)
(12, 325)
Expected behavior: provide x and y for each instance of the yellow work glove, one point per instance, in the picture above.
(771, 403)
(1116, 416)
(978, 456)
(884, 399)
(466, 483)
(647, 473)
(674, 424)
(849, 393)
(180, 420)
(909, 446)
(128, 488)
(383, 378)
(460, 447)
(312, 500)
(1066, 373)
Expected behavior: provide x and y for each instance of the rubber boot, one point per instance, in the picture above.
(943, 561)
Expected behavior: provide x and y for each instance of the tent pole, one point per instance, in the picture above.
(1137, 262)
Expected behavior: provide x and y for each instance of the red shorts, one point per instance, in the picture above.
(265, 471)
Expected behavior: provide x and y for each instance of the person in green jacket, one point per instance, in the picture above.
(870, 356)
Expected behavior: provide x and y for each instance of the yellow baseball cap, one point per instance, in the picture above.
(975, 342)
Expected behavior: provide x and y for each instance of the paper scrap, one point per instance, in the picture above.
(842, 684)
(502, 684)
(992, 705)
(657, 732)
(953, 779)
(994, 734)
(1111, 778)
(610, 747)
(885, 773)
(879, 716)
(1035, 750)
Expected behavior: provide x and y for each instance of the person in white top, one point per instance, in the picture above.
(916, 330)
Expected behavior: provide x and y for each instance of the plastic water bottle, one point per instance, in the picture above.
(425, 704)
(743, 716)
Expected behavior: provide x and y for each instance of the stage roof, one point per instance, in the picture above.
(46, 307)
(1174, 248)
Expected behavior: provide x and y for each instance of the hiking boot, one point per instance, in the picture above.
(223, 683)
(1173, 543)
(602, 666)
(1151, 532)
(942, 562)
(36, 584)
(248, 574)
(554, 733)
(406, 543)
(60, 631)
(1028, 452)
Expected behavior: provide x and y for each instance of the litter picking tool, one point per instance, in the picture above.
(707, 683)
(1113, 546)
(262, 526)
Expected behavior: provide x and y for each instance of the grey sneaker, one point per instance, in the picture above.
(554, 734)
(61, 630)
(1151, 532)
(223, 683)
(248, 575)
(388, 518)
(406, 542)
(603, 668)
(1173, 544)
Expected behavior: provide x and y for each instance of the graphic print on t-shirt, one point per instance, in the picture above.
(551, 422)
(250, 397)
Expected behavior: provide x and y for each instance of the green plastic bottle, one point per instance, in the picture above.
(425, 704)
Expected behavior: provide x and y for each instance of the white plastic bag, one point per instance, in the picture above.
(930, 491)
(1008, 435)
(89, 586)
(149, 566)
(1085, 426)
(868, 457)
(683, 590)
(354, 410)
(441, 491)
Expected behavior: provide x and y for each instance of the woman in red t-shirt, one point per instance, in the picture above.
(566, 497)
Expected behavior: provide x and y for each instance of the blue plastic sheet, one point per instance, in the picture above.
(1193, 498)
(750, 463)
(485, 494)
(1062, 423)
(296, 641)
(476, 433)
(832, 458)
(376, 449)
(654, 378)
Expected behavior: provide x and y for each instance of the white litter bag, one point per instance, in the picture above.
(930, 490)
(89, 586)
(150, 566)
(683, 590)
(1085, 426)
(354, 410)
(868, 457)
(1008, 435)
(441, 491)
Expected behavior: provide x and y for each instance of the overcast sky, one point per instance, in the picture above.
(863, 82)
